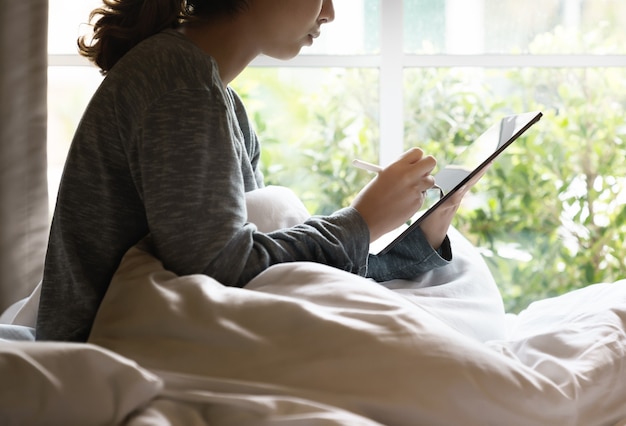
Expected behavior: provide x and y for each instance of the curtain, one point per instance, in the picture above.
(24, 218)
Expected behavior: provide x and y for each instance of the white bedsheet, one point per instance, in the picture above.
(305, 339)
(55, 383)
(305, 344)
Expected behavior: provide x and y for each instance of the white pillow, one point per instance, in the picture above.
(275, 207)
(47, 383)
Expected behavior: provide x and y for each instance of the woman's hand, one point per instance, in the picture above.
(397, 193)
(435, 226)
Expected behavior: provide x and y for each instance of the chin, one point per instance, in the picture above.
(286, 51)
(284, 55)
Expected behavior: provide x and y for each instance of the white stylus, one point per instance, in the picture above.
(367, 166)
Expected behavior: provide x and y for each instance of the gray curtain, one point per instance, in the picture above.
(23, 119)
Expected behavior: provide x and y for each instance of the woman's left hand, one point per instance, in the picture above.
(435, 226)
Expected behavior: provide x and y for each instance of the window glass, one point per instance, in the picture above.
(312, 123)
(69, 91)
(69, 88)
(355, 30)
(67, 20)
(514, 27)
(550, 214)
(424, 26)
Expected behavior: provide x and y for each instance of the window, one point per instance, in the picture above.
(387, 75)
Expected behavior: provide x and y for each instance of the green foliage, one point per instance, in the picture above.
(549, 216)
(313, 128)
(553, 219)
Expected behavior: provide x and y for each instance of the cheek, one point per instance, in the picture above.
(289, 23)
(287, 32)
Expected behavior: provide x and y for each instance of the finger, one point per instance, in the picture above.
(479, 175)
(455, 200)
(428, 182)
(427, 164)
(425, 184)
(412, 155)
(421, 174)
(474, 180)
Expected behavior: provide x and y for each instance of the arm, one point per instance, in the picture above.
(194, 170)
(435, 226)
(428, 247)
(409, 258)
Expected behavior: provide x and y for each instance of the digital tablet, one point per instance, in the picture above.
(463, 168)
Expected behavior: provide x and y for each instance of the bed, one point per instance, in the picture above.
(306, 344)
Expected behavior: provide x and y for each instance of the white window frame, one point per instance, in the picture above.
(392, 61)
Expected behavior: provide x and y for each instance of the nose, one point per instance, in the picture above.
(327, 14)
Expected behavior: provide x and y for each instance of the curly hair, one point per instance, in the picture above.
(122, 24)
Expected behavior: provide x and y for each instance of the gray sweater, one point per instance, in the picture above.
(164, 151)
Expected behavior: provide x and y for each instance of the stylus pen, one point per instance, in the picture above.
(367, 166)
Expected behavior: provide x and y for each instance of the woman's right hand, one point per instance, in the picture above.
(396, 193)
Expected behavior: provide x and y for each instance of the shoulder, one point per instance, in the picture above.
(238, 105)
(243, 120)
(161, 71)
(166, 58)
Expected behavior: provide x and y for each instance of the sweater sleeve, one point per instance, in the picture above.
(191, 180)
(411, 257)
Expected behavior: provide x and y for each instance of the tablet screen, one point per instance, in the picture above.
(464, 166)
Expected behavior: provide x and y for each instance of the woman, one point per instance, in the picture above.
(165, 153)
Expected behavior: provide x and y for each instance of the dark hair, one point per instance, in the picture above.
(122, 24)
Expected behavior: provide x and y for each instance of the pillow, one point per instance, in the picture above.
(275, 207)
(69, 384)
